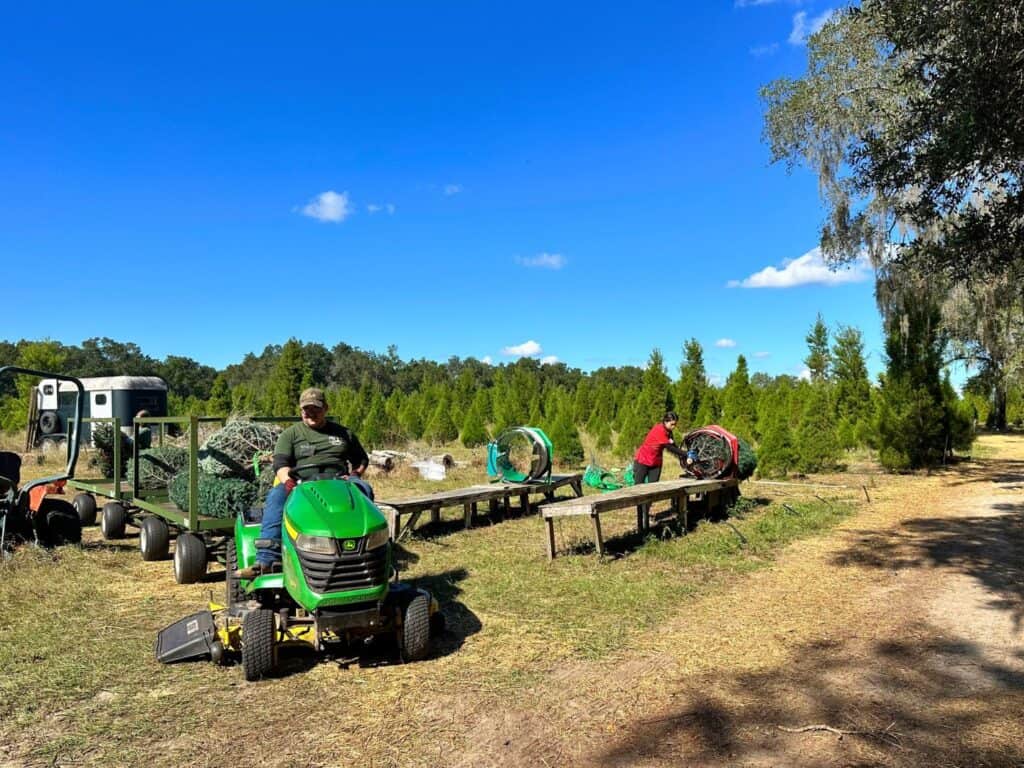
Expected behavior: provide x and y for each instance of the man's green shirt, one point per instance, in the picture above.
(311, 450)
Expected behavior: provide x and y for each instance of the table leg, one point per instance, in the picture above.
(524, 502)
(597, 535)
(551, 537)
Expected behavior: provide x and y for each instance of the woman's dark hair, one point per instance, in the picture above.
(670, 416)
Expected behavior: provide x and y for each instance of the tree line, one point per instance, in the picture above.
(912, 415)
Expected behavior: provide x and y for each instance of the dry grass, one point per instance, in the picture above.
(81, 686)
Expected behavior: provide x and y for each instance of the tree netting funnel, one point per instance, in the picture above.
(714, 452)
(520, 455)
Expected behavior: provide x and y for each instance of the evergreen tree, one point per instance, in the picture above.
(818, 358)
(603, 438)
(816, 444)
(375, 425)
(739, 408)
(710, 411)
(655, 391)
(473, 433)
(583, 401)
(565, 438)
(852, 387)
(286, 381)
(410, 416)
(482, 404)
(219, 403)
(440, 428)
(693, 381)
(632, 432)
(776, 454)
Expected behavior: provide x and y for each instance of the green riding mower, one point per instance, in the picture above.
(336, 587)
(29, 513)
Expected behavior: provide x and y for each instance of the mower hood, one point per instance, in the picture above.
(333, 508)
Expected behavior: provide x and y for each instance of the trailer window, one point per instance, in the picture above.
(48, 389)
(100, 400)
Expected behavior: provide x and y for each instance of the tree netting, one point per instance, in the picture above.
(157, 466)
(603, 479)
(229, 452)
(713, 452)
(221, 497)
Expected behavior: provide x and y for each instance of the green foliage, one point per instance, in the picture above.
(851, 387)
(221, 497)
(157, 466)
(693, 381)
(440, 428)
(739, 407)
(375, 427)
(777, 453)
(229, 452)
(818, 359)
(474, 432)
(817, 447)
(710, 411)
(655, 396)
(290, 375)
(565, 438)
(103, 437)
(219, 403)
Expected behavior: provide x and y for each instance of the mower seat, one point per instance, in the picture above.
(10, 466)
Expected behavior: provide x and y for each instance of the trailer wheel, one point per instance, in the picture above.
(62, 523)
(189, 558)
(154, 538)
(113, 519)
(49, 422)
(235, 593)
(258, 643)
(85, 505)
(416, 629)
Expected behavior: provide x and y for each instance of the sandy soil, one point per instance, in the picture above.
(897, 640)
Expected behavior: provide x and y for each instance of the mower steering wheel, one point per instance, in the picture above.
(6, 484)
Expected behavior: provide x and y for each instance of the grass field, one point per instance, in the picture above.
(77, 626)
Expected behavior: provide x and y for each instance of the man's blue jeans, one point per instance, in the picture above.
(270, 528)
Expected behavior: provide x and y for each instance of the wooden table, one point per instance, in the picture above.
(497, 495)
(718, 492)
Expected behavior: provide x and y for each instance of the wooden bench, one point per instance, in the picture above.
(718, 493)
(497, 495)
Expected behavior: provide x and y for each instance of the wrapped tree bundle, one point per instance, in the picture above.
(229, 451)
(158, 465)
(103, 437)
(221, 497)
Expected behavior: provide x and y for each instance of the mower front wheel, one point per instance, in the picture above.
(62, 523)
(189, 558)
(113, 519)
(85, 505)
(416, 629)
(258, 643)
(154, 538)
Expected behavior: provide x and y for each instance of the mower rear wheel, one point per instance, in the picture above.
(85, 505)
(235, 593)
(189, 558)
(154, 538)
(62, 523)
(258, 643)
(113, 519)
(416, 629)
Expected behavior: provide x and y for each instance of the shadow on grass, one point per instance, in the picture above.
(913, 704)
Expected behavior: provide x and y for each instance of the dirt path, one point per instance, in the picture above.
(903, 628)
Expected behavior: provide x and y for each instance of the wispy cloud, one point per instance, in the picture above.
(487, 360)
(542, 261)
(802, 28)
(328, 206)
(548, 360)
(388, 208)
(762, 355)
(452, 189)
(725, 343)
(764, 50)
(527, 349)
(806, 270)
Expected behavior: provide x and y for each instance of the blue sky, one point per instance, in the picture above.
(582, 182)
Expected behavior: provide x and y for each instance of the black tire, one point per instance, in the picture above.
(62, 523)
(154, 538)
(85, 505)
(415, 643)
(49, 422)
(113, 519)
(234, 591)
(258, 644)
(189, 558)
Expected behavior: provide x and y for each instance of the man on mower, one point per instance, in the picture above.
(311, 449)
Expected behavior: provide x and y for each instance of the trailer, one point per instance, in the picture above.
(52, 404)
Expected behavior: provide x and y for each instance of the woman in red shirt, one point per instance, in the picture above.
(647, 462)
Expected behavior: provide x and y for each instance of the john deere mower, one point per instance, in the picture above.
(336, 587)
(28, 513)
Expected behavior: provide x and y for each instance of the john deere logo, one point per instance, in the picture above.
(349, 545)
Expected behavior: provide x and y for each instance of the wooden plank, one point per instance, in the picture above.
(632, 496)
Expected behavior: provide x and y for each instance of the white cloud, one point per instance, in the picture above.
(487, 360)
(802, 28)
(328, 206)
(452, 189)
(725, 343)
(748, 3)
(762, 355)
(806, 270)
(543, 261)
(805, 374)
(764, 50)
(527, 349)
(548, 360)
(377, 208)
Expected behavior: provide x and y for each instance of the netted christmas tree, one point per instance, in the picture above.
(230, 451)
(103, 437)
(157, 466)
(221, 497)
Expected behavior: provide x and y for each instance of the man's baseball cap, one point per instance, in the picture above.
(312, 396)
